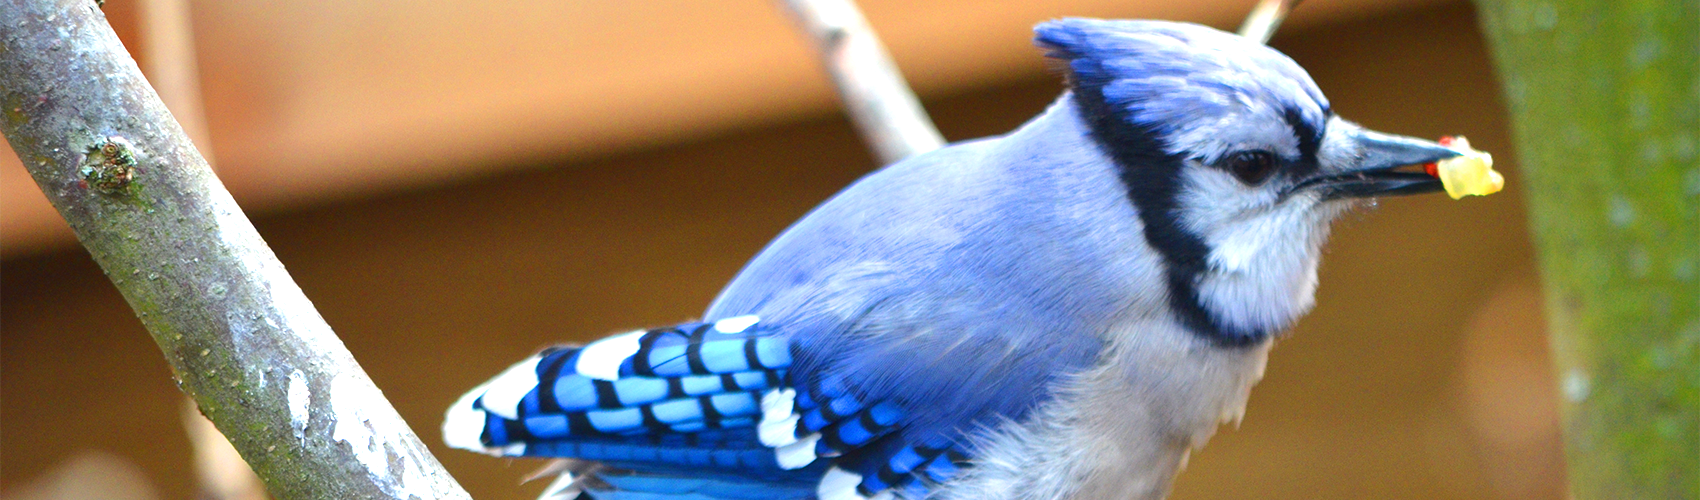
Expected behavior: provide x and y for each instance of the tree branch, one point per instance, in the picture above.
(238, 333)
(1265, 18)
(875, 95)
(168, 46)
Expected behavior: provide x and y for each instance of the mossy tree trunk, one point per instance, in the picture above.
(1605, 104)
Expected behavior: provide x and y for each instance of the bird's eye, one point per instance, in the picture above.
(1251, 167)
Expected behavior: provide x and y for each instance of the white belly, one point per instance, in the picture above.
(1121, 430)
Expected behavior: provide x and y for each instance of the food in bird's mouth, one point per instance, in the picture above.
(1468, 174)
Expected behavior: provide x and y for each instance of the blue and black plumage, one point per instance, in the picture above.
(1060, 312)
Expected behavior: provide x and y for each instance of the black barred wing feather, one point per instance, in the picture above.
(699, 411)
(671, 396)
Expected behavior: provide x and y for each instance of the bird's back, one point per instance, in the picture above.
(1034, 218)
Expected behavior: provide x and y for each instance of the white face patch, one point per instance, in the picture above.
(1264, 249)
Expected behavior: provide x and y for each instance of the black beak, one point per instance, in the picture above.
(1375, 174)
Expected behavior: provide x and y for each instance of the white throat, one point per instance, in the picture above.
(1261, 269)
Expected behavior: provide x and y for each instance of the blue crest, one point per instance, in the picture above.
(1168, 76)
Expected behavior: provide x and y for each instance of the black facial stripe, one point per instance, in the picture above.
(1310, 140)
(1152, 179)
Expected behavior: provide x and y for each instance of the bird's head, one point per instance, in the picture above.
(1234, 160)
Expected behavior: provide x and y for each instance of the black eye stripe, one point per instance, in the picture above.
(1310, 139)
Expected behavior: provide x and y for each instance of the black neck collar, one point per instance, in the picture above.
(1152, 179)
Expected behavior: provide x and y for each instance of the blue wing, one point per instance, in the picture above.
(896, 372)
(717, 411)
(930, 302)
(680, 402)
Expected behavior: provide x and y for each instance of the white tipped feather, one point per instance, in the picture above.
(839, 484)
(736, 324)
(777, 433)
(778, 403)
(463, 427)
(778, 425)
(502, 394)
(797, 455)
(601, 359)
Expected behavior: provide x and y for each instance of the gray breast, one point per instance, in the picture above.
(1123, 429)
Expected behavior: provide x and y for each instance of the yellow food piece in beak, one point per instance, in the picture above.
(1469, 174)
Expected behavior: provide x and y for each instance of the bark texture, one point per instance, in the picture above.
(1605, 103)
(238, 333)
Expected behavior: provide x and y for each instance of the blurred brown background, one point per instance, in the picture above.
(456, 184)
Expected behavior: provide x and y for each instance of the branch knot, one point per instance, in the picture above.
(110, 165)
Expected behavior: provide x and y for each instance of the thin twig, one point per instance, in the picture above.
(168, 48)
(219, 469)
(1265, 18)
(235, 328)
(875, 94)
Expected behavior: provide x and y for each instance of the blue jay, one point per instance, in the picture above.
(1062, 312)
